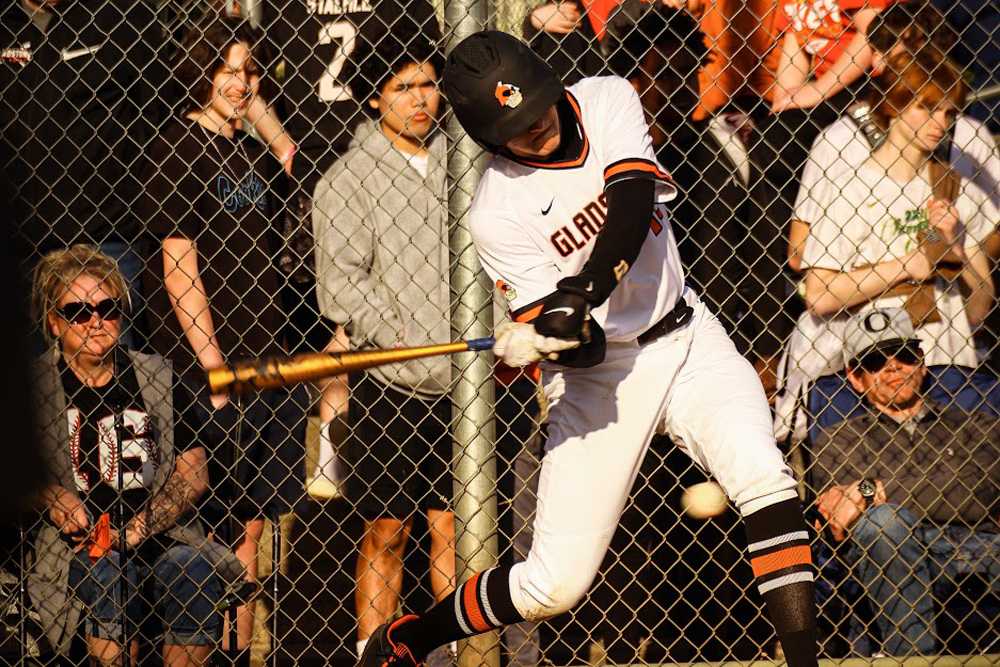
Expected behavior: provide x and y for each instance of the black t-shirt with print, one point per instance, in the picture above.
(91, 413)
(322, 42)
(78, 106)
(225, 195)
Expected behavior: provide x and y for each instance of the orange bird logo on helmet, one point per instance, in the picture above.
(508, 95)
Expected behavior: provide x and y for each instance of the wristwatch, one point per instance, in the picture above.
(867, 488)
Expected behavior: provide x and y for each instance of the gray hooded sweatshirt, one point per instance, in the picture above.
(382, 254)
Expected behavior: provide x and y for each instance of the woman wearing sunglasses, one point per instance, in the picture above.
(118, 432)
(214, 199)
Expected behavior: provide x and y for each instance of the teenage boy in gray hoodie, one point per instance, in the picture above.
(381, 232)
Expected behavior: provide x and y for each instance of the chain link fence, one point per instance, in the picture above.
(189, 183)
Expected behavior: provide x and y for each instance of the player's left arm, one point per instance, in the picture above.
(633, 182)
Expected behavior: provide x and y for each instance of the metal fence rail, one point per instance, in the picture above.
(196, 183)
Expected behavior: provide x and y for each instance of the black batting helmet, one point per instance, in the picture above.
(498, 87)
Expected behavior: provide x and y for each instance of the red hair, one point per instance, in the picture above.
(924, 76)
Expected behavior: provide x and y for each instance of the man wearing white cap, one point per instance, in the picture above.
(910, 488)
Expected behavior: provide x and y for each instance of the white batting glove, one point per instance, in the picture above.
(518, 344)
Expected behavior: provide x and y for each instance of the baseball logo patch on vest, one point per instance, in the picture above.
(508, 95)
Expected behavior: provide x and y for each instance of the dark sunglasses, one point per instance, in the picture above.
(875, 360)
(79, 312)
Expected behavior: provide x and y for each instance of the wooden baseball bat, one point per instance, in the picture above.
(271, 372)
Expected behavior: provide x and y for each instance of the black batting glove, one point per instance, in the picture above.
(564, 315)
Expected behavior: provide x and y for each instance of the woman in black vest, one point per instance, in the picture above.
(127, 465)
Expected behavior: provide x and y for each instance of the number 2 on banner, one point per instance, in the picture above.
(343, 32)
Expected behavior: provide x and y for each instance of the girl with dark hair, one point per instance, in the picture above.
(213, 199)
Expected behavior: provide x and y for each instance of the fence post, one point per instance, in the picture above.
(471, 316)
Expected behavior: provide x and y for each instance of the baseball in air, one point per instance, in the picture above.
(704, 500)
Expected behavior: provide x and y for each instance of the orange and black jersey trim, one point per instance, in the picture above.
(623, 170)
(574, 147)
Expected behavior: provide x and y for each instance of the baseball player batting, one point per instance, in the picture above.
(570, 221)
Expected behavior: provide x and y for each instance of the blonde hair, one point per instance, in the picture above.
(57, 271)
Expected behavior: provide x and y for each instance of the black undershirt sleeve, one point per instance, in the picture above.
(630, 210)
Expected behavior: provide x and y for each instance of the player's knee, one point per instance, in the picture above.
(544, 593)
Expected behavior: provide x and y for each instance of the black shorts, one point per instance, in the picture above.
(398, 457)
(305, 330)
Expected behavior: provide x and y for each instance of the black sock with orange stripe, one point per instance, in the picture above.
(778, 542)
(479, 605)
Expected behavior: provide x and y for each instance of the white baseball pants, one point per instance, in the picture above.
(692, 385)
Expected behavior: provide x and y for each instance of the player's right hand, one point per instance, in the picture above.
(519, 344)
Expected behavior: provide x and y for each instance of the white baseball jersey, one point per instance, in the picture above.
(842, 147)
(535, 223)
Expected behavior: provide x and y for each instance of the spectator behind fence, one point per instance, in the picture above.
(873, 241)
(570, 34)
(895, 35)
(321, 48)
(910, 488)
(213, 199)
(92, 397)
(889, 232)
(383, 270)
(824, 59)
(662, 52)
(79, 106)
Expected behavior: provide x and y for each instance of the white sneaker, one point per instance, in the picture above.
(326, 479)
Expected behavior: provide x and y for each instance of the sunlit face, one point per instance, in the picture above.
(234, 83)
(539, 140)
(93, 338)
(896, 385)
(408, 102)
(923, 126)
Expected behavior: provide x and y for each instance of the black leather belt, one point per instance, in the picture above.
(672, 321)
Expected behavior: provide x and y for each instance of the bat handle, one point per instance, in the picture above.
(480, 344)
